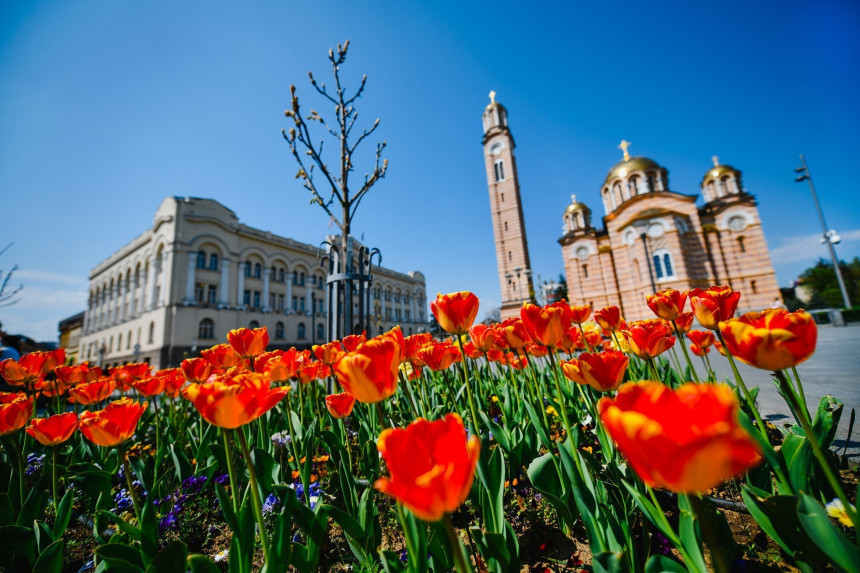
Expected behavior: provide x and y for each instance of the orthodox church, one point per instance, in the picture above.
(651, 237)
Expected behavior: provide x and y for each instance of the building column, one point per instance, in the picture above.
(126, 305)
(111, 305)
(241, 285)
(224, 294)
(135, 284)
(151, 282)
(166, 268)
(412, 315)
(308, 299)
(267, 273)
(289, 302)
(191, 278)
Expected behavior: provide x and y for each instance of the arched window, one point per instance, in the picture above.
(281, 275)
(258, 270)
(151, 338)
(128, 341)
(254, 324)
(300, 331)
(119, 341)
(213, 262)
(663, 267)
(206, 329)
(499, 170)
(279, 330)
(201, 260)
(320, 332)
(741, 245)
(302, 279)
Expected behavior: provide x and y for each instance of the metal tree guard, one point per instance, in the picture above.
(349, 278)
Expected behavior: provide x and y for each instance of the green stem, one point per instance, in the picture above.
(228, 451)
(255, 493)
(296, 451)
(719, 561)
(54, 476)
(123, 455)
(667, 528)
(800, 393)
(587, 345)
(20, 457)
(465, 370)
(682, 340)
(460, 562)
(564, 417)
(653, 370)
(404, 382)
(381, 418)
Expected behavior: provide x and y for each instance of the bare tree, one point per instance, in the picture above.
(8, 296)
(329, 184)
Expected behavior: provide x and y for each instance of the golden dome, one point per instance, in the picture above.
(627, 166)
(576, 206)
(717, 170)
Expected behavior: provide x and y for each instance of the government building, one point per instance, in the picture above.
(198, 272)
(651, 237)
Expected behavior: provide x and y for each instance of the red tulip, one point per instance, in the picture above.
(483, 336)
(668, 303)
(328, 353)
(701, 338)
(113, 425)
(231, 401)
(649, 338)
(197, 369)
(580, 313)
(455, 312)
(93, 392)
(54, 430)
(714, 305)
(370, 372)
(608, 318)
(221, 356)
(773, 339)
(604, 371)
(546, 325)
(351, 341)
(285, 366)
(340, 405)
(248, 342)
(15, 411)
(439, 355)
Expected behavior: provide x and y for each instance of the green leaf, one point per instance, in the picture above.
(202, 564)
(51, 559)
(149, 533)
(688, 530)
(267, 469)
(93, 483)
(826, 535)
(17, 540)
(663, 564)
(609, 562)
(121, 558)
(64, 514)
(171, 559)
(181, 465)
(35, 503)
(493, 548)
(827, 420)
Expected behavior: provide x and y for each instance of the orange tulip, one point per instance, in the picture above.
(15, 411)
(546, 325)
(714, 305)
(92, 392)
(668, 303)
(26, 371)
(328, 353)
(701, 338)
(152, 386)
(516, 362)
(173, 381)
(54, 430)
(432, 465)
(411, 345)
(687, 440)
(396, 335)
(285, 366)
(370, 372)
(514, 333)
(231, 401)
(698, 350)
(719, 347)
(580, 313)
(113, 425)
(129, 373)
(197, 369)
(772, 339)
(351, 341)
(221, 356)
(608, 318)
(537, 350)
(649, 338)
(439, 355)
(78, 374)
(604, 371)
(684, 322)
(572, 340)
(340, 405)
(312, 371)
(484, 337)
(248, 342)
(472, 352)
(455, 312)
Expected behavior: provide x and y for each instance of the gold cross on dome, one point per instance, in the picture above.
(623, 147)
(492, 96)
(716, 161)
(573, 198)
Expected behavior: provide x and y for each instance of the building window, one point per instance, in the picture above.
(272, 299)
(213, 262)
(499, 170)
(246, 298)
(201, 260)
(254, 324)
(247, 270)
(281, 275)
(128, 341)
(300, 331)
(753, 287)
(510, 256)
(119, 340)
(302, 304)
(206, 329)
(503, 197)
(407, 316)
(258, 270)
(213, 294)
(295, 303)
(151, 338)
(663, 265)
(256, 299)
(279, 330)
(741, 245)
(280, 302)
(198, 292)
(320, 332)
(506, 225)
(302, 279)
(585, 271)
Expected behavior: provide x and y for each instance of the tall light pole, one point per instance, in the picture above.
(829, 236)
(642, 226)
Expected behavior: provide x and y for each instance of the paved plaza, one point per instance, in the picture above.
(833, 369)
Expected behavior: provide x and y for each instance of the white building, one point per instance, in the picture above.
(198, 273)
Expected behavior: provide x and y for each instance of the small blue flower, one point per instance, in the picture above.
(270, 504)
(404, 556)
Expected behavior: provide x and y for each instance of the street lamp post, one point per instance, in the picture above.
(642, 226)
(829, 236)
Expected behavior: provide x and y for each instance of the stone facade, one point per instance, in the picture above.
(509, 230)
(71, 329)
(198, 273)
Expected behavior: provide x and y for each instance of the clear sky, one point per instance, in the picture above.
(108, 107)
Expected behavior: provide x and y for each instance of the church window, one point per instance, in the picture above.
(213, 262)
(506, 225)
(151, 338)
(503, 197)
(753, 287)
(585, 271)
(510, 256)
(206, 329)
(741, 247)
(201, 260)
(663, 265)
(499, 170)
(279, 330)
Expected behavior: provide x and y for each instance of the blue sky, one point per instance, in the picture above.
(108, 107)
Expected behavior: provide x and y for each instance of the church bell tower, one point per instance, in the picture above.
(509, 230)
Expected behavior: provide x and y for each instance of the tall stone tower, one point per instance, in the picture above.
(509, 230)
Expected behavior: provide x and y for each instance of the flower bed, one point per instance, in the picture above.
(565, 439)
